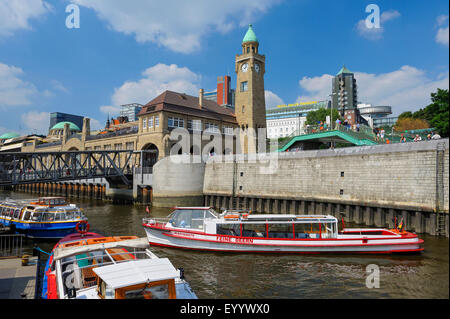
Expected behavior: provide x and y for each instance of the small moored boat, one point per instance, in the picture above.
(88, 265)
(44, 217)
(233, 231)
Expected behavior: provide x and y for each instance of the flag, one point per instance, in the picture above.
(400, 226)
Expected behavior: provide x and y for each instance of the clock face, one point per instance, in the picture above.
(244, 67)
(257, 67)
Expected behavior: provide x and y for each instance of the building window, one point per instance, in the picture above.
(144, 123)
(244, 86)
(243, 108)
(118, 147)
(211, 127)
(97, 148)
(227, 130)
(129, 145)
(150, 122)
(175, 122)
(157, 121)
(194, 125)
(107, 147)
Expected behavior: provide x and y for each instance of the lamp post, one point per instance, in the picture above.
(331, 113)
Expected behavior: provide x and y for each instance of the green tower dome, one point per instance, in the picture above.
(250, 36)
(60, 126)
(344, 70)
(9, 135)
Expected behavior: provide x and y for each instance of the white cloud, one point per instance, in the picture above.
(442, 35)
(272, 100)
(156, 80)
(180, 26)
(13, 90)
(405, 89)
(317, 88)
(15, 14)
(376, 33)
(36, 122)
(96, 125)
(109, 109)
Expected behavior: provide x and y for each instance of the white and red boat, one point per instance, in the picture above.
(201, 228)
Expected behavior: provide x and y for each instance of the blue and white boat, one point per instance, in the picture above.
(44, 217)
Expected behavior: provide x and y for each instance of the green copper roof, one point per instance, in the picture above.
(344, 70)
(60, 126)
(9, 135)
(250, 36)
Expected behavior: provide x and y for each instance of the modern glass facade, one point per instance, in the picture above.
(57, 117)
(131, 111)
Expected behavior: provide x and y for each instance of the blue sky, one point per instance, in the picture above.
(130, 51)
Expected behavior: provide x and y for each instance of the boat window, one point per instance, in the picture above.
(280, 231)
(36, 217)
(48, 217)
(187, 218)
(155, 292)
(27, 215)
(58, 216)
(253, 230)
(69, 215)
(16, 213)
(228, 229)
(76, 214)
(307, 230)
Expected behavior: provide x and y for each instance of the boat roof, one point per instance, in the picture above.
(136, 271)
(289, 217)
(193, 208)
(63, 252)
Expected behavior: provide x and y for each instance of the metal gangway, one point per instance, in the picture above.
(25, 168)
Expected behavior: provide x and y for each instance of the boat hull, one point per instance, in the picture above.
(343, 244)
(50, 230)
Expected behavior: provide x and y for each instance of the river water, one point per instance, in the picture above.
(257, 276)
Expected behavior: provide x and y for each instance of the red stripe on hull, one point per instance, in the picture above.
(403, 251)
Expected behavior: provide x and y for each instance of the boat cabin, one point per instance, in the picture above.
(50, 201)
(38, 212)
(137, 279)
(245, 224)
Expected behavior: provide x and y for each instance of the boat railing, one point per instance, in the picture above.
(159, 222)
(85, 272)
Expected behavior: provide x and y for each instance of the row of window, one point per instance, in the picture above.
(150, 122)
(196, 125)
(117, 147)
(39, 216)
(263, 230)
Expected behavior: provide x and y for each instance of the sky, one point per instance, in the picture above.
(121, 52)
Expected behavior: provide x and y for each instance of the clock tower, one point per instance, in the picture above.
(250, 104)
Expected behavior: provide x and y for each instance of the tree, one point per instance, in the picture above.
(435, 115)
(320, 115)
(409, 123)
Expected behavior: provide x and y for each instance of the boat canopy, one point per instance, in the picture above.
(136, 272)
(63, 252)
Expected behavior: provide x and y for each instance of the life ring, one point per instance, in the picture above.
(85, 227)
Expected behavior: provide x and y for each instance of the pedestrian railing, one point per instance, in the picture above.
(11, 245)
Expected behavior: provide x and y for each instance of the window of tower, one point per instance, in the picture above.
(244, 86)
(243, 108)
(248, 49)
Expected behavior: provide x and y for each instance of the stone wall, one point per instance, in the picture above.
(401, 176)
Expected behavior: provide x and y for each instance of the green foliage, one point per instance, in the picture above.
(436, 114)
(321, 115)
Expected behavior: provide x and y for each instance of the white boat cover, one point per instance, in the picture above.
(134, 272)
(59, 253)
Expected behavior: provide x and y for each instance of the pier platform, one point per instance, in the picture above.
(17, 281)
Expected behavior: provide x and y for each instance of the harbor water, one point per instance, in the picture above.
(288, 276)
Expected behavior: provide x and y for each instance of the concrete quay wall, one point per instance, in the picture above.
(369, 185)
(178, 181)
